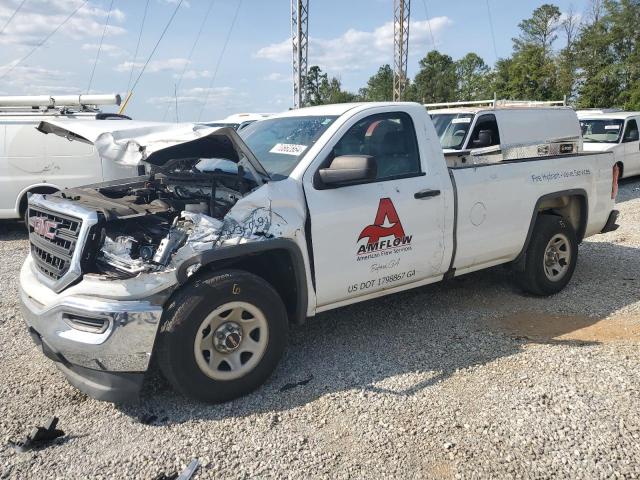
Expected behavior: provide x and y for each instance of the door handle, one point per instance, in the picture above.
(427, 193)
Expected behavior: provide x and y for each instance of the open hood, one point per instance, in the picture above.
(158, 144)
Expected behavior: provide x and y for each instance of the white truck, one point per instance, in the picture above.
(33, 163)
(616, 132)
(205, 262)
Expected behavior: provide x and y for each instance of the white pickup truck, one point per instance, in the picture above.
(615, 132)
(204, 263)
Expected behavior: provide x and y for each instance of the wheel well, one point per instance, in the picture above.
(274, 266)
(621, 166)
(571, 207)
(25, 195)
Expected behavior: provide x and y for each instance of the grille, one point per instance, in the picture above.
(53, 238)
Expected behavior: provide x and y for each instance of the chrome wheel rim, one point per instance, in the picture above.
(231, 341)
(557, 257)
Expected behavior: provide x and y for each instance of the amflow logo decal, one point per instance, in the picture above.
(386, 224)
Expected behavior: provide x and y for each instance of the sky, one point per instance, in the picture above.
(348, 39)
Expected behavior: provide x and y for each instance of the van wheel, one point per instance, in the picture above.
(222, 336)
(551, 256)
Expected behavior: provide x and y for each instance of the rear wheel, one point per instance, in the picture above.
(223, 336)
(551, 256)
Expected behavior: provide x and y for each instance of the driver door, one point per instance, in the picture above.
(375, 235)
(631, 142)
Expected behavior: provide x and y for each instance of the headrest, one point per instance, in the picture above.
(394, 143)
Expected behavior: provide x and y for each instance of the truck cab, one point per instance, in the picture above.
(616, 132)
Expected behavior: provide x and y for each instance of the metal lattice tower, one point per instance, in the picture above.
(401, 14)
(300, 41)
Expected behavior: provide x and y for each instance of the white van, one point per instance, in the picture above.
(33, 162)
(505, 131)
(617, 132)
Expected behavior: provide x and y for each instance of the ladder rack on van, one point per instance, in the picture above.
(21, 103)
(494, 103)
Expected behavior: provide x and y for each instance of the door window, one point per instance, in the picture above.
(390, 138)
(630, 132)
(485, 133)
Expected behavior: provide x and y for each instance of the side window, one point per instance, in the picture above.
(485, 133)
(631, 132)
(390, 138)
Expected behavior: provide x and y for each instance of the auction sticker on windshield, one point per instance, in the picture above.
(288, 149)
(461, 120)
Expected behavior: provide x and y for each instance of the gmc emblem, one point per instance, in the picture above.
(44, 227)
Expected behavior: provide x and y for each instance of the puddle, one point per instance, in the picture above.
(542, 326)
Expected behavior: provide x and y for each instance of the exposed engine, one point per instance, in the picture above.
(144, 222)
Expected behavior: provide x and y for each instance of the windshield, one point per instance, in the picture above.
(452, 128)
(280, 143)
(601, 130)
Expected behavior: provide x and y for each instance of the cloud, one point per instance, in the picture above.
(357, 49)
(36, 80)
(277, 77)
(218, 98)
(194, 74)
(155, 66)
(185, 3)
(40, 17)
(107, 48)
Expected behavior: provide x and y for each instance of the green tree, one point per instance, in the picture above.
(322, 90)
(379, 86)
(540, 29)
(436, 81)
(532, 71)
(474, 78)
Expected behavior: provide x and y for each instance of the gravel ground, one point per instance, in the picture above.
(464, 380)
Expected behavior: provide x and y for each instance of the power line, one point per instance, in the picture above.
(51, 34)
(224, 47)
(155, 47)
(426, 11)
(15, 12)
(493, 36)
(104, 30)
(184, 69)
(135, 55)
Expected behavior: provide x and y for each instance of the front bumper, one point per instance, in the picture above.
(102, 346)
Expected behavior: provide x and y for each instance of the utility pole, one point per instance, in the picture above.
(401, 14)
(300, 42)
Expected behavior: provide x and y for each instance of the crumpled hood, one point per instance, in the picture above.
(158, 144)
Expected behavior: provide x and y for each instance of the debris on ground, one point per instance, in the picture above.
(186, 474)
(39, 437)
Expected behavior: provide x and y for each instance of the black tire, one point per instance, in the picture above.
(182, 321)
(534, 278)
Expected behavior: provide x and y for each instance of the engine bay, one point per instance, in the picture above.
(144, 220)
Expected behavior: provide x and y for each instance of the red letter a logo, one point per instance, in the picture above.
(387, 223)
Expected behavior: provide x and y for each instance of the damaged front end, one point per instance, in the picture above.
(185, 206)
(105, 258)
(156, 224)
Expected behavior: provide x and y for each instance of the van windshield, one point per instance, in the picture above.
(601, 130)
(452, 128)
(280, 143)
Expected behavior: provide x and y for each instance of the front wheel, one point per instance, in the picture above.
(223, 336)
(551, 256)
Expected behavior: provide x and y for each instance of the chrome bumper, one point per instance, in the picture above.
(125, 345)
(107, 363)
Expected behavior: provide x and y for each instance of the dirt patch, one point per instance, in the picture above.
(544, 327)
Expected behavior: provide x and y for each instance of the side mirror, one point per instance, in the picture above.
(484, 139)
(348, 169)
